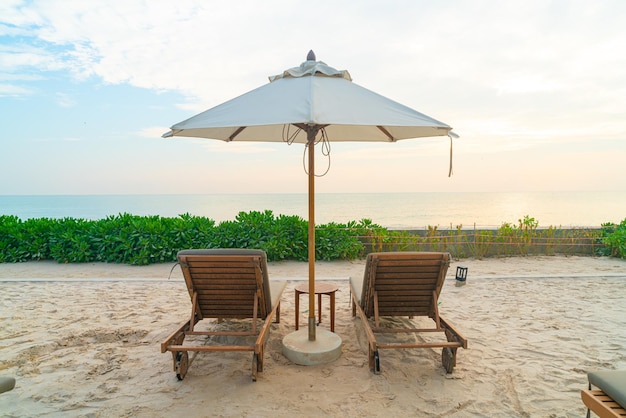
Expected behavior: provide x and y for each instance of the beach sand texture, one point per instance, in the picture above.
(84, 340)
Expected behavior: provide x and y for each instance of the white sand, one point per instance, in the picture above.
(90, 347)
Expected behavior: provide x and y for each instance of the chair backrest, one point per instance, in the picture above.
(404, 282)
(226, 281)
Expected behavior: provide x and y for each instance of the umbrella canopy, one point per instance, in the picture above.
(311, 94)
(294, 107)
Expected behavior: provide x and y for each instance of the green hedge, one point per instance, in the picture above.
(614, 239)
(141, 240)
(138, 240)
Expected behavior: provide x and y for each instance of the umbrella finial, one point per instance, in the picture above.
(311, 56)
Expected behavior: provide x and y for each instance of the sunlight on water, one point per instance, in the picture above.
(394, 210)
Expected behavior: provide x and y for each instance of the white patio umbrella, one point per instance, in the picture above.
(307, 104)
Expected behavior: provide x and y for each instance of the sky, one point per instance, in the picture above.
(535, 89)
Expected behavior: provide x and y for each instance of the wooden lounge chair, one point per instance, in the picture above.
(609, 401)
(226, 283)
(404, 284)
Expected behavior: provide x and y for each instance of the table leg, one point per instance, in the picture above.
(319, 308)
(332, 312)
(297, 309)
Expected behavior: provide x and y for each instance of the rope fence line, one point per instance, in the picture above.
(485, 242)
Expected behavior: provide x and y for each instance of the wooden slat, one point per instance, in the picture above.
(407, 265)
(226, 302)
(207, 348)
(207, 294)
(214, 259)
(225, 305)
(406, 304)
(405, 289)
(237, 285)
(403, 311)
(406, 280)
(390, 304)
(216, 265)
(416, 300)
(396, 261)
(224, 275)
(418, 345)
(228, 315)
(432, 270)
(223, 333)
(601, 404)
(214, 274)
(406, 330)
(208, 275)
(390, 291)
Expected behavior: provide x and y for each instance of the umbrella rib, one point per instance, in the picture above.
(237, 132)
(386, 132)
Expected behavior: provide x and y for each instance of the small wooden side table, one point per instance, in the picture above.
(320, 289)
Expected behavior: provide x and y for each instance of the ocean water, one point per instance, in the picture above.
(392, 210)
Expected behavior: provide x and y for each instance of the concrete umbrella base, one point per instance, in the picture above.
(325, 349)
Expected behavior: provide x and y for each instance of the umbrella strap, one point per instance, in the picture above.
(325, 152)
(287, 137)
(173, 267)
(450, 171)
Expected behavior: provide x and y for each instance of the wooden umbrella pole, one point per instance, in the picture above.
(311, 133)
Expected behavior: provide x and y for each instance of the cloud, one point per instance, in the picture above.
(512, 78)
(526, 84)
(14, 90)
(65, 100)
(199, 50)
(153, 132)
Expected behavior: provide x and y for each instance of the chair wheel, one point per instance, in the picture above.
(255, 366)
(182, 364)
(447, 359)
(376, 362)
